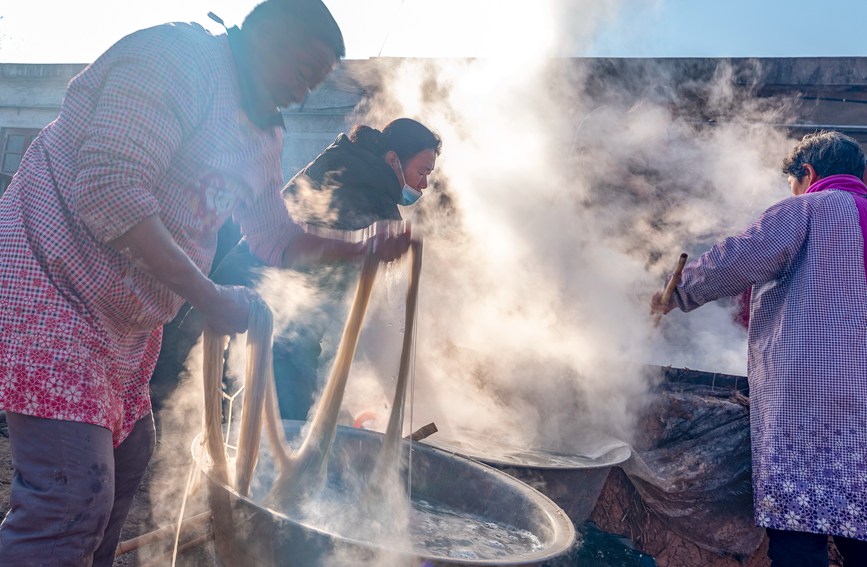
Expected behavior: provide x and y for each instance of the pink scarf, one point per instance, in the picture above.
(851, 184)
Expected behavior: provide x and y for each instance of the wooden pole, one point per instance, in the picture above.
(192, 544)
(675, 279)
(191, 523)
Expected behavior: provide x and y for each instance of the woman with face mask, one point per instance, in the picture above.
(361, 178)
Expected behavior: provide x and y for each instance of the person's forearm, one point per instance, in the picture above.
(387, 239)
(150, 242)
(306, 249)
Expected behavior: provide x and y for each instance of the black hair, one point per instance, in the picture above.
(829, 152)
(308, 18)
(403, 136)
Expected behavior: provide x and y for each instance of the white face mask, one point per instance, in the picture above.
(408, 195)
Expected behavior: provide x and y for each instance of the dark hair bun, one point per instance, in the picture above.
(366, 137)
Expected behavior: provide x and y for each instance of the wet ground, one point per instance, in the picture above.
(596, 548)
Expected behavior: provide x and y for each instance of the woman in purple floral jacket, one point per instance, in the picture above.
(804, 259)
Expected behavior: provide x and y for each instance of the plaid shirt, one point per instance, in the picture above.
(807, 358)
(152, 127)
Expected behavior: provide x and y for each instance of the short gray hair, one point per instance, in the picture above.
(829, 152)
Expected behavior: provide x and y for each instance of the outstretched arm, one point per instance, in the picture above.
(389, 240)
(225, 308)
(762, 253)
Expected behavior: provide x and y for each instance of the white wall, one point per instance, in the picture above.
(31, 95)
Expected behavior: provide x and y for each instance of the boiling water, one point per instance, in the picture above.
(458, 535)
(431, 530)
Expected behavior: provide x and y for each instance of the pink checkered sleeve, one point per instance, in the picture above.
(762, 253)
(148, 102)
(268, 226)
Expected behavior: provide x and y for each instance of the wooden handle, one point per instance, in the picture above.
(675, 279)
(189, 524)
(423, 432)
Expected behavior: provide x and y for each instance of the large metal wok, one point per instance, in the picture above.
(258, 535)
(572, 480)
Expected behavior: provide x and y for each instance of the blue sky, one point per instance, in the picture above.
(737, 28)
(79, 31)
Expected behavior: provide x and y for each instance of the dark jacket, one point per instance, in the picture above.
(347, 187)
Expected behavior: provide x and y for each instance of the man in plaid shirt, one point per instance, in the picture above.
(110, 225)
(805, 260)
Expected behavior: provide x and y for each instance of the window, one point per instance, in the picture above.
(15, 143)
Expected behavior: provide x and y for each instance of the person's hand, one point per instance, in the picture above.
(227, 312)
(387, 240)
(658, 307)
(661, 303)
(390, 239)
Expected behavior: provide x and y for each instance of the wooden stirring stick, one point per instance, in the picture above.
(675, 279)
(669, 288)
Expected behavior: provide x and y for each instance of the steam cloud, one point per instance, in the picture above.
(567, 189)
(564, 194)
